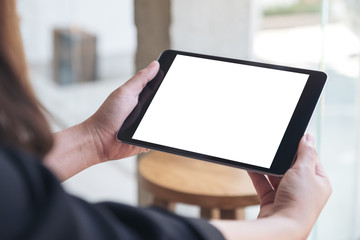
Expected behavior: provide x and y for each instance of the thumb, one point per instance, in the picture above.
(139, 81)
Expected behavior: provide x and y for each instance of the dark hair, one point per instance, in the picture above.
(22, 122)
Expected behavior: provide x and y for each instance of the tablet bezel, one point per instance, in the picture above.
(288, 146)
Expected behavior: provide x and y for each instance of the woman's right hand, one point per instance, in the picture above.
(301, 193)
(290, 205)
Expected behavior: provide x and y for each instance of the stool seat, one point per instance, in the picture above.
(171, 178)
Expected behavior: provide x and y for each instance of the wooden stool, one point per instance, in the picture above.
(220, 191)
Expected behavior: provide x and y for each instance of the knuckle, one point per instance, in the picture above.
(311, 150)
(141, 72)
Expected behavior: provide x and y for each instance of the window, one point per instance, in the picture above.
(324, 35)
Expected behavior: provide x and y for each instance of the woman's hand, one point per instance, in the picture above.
(104, 124)
(289, 206)
(301, 193)
(94, 141)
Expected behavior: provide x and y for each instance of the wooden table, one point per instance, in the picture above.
(220, 191)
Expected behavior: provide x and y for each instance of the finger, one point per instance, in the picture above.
(261, 184)
(275, 181)
(306, 155)
(136, 84)
(319, 169)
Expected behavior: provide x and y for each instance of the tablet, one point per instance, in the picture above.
(239, 113)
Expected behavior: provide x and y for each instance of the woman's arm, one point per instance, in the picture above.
(93, 141)
(276, 228)
(289, 206)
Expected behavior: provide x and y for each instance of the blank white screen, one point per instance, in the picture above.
(227, 110)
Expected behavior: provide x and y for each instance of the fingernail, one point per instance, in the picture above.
(310, 140)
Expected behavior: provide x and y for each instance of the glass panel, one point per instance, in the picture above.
(339, 136)
(324, 35)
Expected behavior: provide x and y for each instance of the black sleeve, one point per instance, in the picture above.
(33, 205)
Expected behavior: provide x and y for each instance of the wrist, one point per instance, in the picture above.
(273, 227)
(288, 226)
(74, 150)
(94, 142)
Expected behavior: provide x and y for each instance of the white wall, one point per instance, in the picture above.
(215, 27)
(272, 3)
(111, 21)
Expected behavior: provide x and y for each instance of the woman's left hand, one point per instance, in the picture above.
(104, 124)
(94, 141)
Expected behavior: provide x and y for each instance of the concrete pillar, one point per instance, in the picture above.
(152, 20)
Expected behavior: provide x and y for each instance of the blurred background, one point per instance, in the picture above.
(81, 50)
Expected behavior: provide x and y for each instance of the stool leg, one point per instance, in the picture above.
(164, 204)
(232, 214)
(209, 213)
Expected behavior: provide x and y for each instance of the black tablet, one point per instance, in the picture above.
(239, 113)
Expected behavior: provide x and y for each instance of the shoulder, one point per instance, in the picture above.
(13, 158)
(15, 167)
(23, 176)
(21, 170)
(24, 188)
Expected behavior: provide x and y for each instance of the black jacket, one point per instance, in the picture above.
(33, 205)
